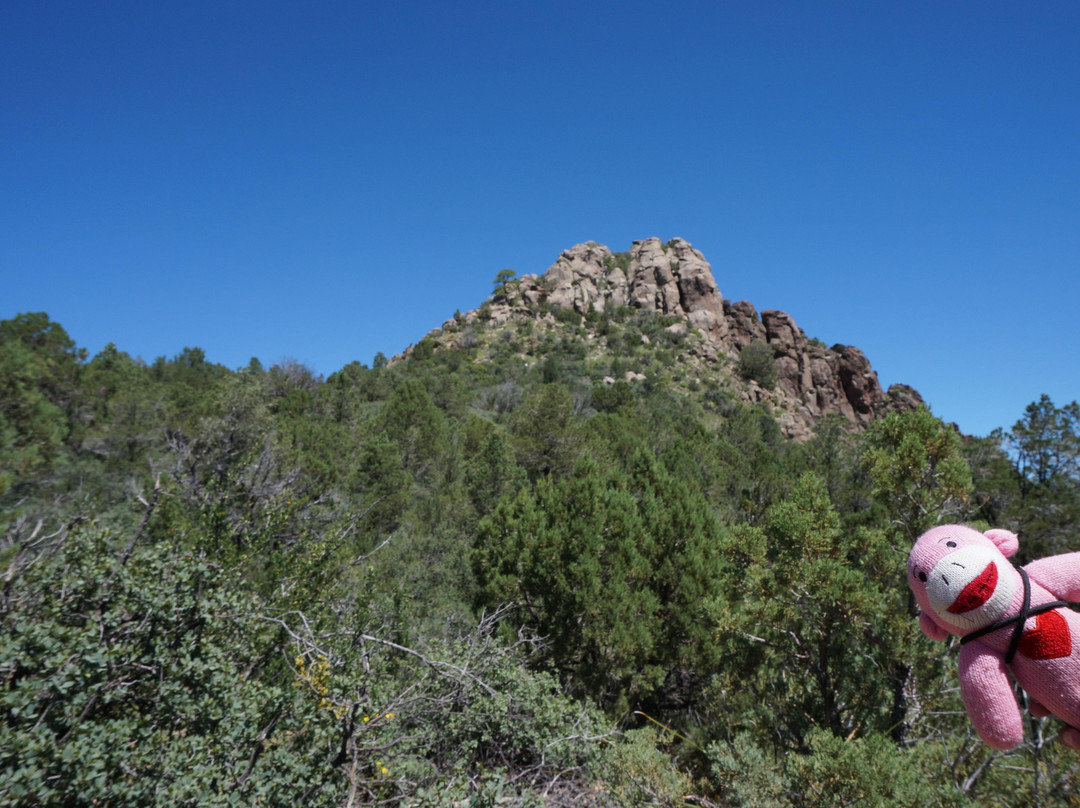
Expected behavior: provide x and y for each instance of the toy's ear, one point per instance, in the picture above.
(1005, 540)
(930, 628)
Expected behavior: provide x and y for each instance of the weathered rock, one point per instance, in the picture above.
(859, 383)
(813, 381)
(652, 286)
(674, 279)
(698, 295)
(901, 398)
(577, 279)
(789, 345)
(743, 325)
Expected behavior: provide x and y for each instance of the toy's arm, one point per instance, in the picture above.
(988, 696)
(931, 629)
(1060, 574)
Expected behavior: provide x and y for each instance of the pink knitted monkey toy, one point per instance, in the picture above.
(1008, 619)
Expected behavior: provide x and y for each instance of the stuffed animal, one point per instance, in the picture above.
(1009, 619)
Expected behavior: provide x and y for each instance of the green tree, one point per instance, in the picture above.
(996, 492)
(545, 433)
(127, 409)
(156, 677)
(811, 625)
(757, 362)
(58, 358)
(1046, 447)
(612, 568)
(919, 473)
(491, 471)
(612, 398)
(865, 771)
(39, 385)
(411, 419)
(150, 681)
(32, 428)
(502, 281)
(752, 470)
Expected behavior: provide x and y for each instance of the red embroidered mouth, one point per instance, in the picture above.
(977, 592)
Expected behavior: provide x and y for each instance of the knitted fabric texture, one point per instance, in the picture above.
(1013, 624)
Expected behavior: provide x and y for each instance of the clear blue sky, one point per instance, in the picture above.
(323, 181)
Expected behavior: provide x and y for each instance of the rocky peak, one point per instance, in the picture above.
(674, 279)
(671, 279)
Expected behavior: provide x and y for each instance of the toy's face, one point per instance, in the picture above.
(961, 578)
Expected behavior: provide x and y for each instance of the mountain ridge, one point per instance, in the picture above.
(674, 281)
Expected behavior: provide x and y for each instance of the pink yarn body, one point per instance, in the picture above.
(942, 566)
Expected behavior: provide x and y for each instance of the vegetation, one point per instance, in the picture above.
(484, 576)
(757, 363)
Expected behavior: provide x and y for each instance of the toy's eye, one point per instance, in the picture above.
(922, 577)
(950, 544)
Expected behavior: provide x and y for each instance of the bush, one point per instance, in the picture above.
(757, 363)
(568, 317)
(152, 683)
(424, 349)
(158, 679)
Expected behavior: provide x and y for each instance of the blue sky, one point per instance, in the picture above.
(324, 181)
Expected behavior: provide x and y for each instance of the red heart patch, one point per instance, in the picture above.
(1050, 639)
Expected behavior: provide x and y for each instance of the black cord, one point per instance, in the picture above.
(1018, 619)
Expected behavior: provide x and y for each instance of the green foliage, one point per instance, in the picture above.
(567, 316)
(870, 772)
(1046, 447)
(918, 470)
(638, 772)
(151, 682)
(411, 419)
(612, 398)
(806, 597)
(55, 353)
(583, 554)
(479, 552)
(544, 432)
(151, 677)
(127, 409)
(491, 471)
(423, 350)
(32, 428)
(39, 390)
(757, 362)
(618, 260)
(502, 281)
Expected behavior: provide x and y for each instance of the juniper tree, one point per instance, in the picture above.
(612, 568)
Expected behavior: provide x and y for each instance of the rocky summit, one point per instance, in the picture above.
(675, 281)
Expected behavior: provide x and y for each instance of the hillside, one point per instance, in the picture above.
(702, 334)
(559, 553)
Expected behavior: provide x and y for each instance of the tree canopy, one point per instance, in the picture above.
(468, 579)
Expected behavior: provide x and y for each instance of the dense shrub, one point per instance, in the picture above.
(757, 363)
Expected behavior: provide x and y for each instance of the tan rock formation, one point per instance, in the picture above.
(674, 279)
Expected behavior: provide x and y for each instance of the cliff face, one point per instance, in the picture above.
(674, 279)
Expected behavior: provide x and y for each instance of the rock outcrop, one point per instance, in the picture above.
(674, 279)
